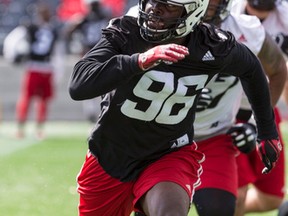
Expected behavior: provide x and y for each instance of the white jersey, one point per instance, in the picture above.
(275, 23)
(227, 90)
(277, 20)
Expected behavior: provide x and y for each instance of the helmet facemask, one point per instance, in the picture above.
(176, 27)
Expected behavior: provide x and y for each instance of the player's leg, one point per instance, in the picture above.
(100, 194)
(45, 93)
(207, 205)
(41, 108)
(240, 202)
(165, 187)
(258, 201)
(166, 198)
(267, 191)
(24, 102)
(217, 193)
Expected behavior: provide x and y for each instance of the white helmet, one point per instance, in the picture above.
(180, 27)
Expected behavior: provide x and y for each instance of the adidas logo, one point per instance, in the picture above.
(208, 56)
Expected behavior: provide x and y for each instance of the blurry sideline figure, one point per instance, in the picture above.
(35, 44)
(82, 34)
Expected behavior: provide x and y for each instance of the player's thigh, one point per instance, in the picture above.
(100, 194)
(182, 168)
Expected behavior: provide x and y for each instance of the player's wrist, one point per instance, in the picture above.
(142, 58)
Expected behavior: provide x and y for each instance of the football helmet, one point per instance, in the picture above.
(194, 11)
(263, 5)
(221, 11)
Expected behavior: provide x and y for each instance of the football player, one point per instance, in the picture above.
(38, 44)
(216, 113)
(87, 29)
(151, 70)
(269, 190)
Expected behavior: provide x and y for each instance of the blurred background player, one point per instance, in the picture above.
(273, 15)
(269, 190)
(82, 34)
(216, 113)
(35, 44)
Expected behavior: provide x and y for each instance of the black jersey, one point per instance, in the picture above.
(148, 114)
(42, 40)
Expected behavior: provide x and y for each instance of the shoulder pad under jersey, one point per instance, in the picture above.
(220, 42)
(120, 28)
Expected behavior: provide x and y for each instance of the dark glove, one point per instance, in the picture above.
(169, 53)
(269, 151)
(204, 100)
(282, 41)
(244, 137)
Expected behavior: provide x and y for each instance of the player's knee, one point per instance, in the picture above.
(271, 204)
(241, 197)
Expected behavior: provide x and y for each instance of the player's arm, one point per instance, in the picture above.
(256, 88)
(274, 66)
(282, 41)
(248, 68)
(104, 68)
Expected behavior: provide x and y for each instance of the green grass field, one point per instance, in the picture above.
(38, 177)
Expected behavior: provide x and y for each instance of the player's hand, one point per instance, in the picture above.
(169, 54)
(269, 151)
(204, 100)
(282, 41)
(244, 137)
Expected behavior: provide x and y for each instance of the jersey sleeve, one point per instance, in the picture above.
(104, 68)
(254, 82)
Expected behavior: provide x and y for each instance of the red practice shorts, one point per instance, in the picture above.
(219, 167)
(100, 194)
(38, 84)
(250, 170)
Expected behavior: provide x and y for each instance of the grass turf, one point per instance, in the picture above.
(38, 177)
